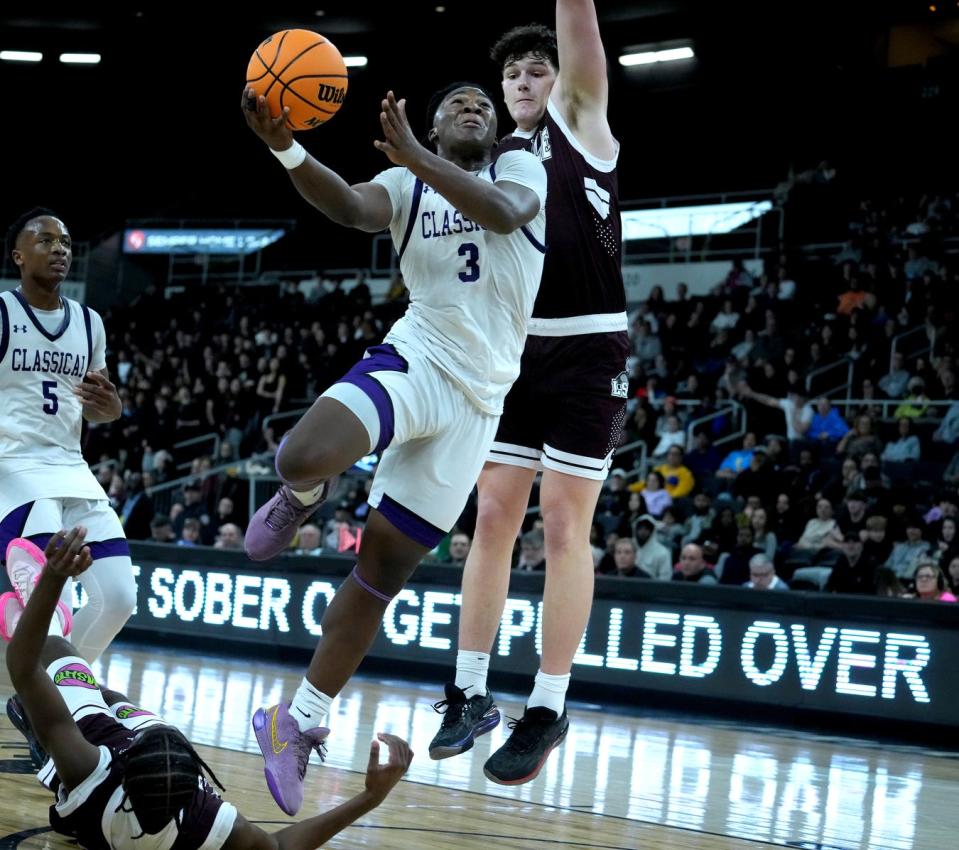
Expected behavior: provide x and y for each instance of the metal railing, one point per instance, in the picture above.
(730, 408)
(162, 494)
(639, 469)
(273, 418)
(888, 406)
(899, 340)
(195, 441)
(844, 363)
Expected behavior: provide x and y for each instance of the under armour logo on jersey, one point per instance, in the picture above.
(19, 329)
(598, 197)
(620, 387)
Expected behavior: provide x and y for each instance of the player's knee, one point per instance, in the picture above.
(383, 580)
(119, 595)
(387, 575)
(304, 466)
(497, 510)
(563, 525)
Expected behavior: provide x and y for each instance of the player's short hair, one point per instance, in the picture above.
(161, 776)
(15, 229)
(532, 39)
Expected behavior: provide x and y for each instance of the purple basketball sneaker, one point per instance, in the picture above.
(274, 525)
(286, 752)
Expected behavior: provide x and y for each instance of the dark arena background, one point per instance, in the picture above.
(790, 203)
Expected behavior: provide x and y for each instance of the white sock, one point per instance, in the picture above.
(310, 707)
(471, 670)
(549, 691)
(309, 497)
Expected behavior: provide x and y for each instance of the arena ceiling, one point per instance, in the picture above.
(155, 129)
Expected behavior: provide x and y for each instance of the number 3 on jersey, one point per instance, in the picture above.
(472, 271)
(52, 404)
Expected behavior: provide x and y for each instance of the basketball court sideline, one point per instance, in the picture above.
(619, 782)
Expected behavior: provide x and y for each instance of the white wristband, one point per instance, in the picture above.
(292, 156)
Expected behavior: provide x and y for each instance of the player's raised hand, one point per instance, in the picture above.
(99, 397)
(381, 778)
(273, 131)
(399, 142)
(66, 554)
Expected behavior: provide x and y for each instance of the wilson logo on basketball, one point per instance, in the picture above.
(330, 94)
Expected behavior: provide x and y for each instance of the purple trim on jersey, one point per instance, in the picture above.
(86, 323)
(411, 524)
(4, 329)
(113, 548)
(116, 547)
(40, 540)
(381, 401)
(526, 231)
(535, 242)
(11, 527)
(53, 337)
(379, 358)
(411, 221)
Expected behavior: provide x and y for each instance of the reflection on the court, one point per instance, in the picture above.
(739, 782)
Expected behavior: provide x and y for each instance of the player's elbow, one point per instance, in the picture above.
(509, 218)
(20, 669)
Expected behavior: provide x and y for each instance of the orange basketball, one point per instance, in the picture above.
(302, 70)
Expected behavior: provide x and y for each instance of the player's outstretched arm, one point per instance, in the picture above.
(74, 757)
(582, 89)
(501, 207)
(315, 831)
(365, 206)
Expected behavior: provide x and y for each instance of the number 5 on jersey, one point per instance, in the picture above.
(472, 271)
(52, 404)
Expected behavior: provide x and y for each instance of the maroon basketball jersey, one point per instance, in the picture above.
(582, 275)
(87, 822)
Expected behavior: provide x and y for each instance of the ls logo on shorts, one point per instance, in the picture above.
(75, 676)
(620, 388)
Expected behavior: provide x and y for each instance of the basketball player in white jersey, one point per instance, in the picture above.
(52, 376)
(564, 414)
(471, 242)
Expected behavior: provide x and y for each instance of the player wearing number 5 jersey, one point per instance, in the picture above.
(471, 240)
(52, 376)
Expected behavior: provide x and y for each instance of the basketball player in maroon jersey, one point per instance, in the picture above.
(565, 413)
(124, 779)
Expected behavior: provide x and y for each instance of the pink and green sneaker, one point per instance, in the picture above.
(25, 562)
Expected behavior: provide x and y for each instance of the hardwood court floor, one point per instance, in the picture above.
(619, 781)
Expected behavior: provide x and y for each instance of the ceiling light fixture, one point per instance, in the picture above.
(650, 57)
(20, 56)
(80, 58)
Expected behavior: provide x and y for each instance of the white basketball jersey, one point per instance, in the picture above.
(40, 417)
(471, 290)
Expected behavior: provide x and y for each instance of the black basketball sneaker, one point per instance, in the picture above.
(535, 735)
(464, 720)
(18, 717)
